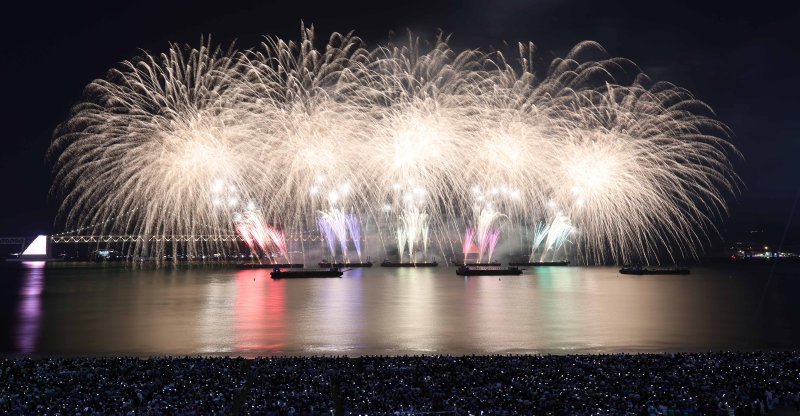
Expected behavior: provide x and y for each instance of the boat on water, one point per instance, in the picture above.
(640, 270)
(278, 273)
(327, 264)
(488, 271)
(269, 265)
(387, 263)
(539, 263)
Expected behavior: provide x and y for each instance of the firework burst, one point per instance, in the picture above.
(636, 170)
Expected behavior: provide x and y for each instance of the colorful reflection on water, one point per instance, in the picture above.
(259, 313)
(116, 310)
(30, 307)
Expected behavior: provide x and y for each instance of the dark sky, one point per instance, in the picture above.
(742, 60)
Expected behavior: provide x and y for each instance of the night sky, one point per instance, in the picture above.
(742, 60)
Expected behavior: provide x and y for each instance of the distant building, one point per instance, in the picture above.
(757, 250)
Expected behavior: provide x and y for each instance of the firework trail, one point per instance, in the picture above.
(539, 234)
(336, 221)
(256, 234)
(278, 240)
(640, 169)
(425, 235)
(492, 238)
(549, 238)
(401, 242)
(558, 231)
(338, 226)
(329, 236)
(486, 233)
(468, 246)
(247, 235)
(413, 229)
(354, 227)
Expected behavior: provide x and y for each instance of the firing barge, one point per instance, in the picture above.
(488, 271)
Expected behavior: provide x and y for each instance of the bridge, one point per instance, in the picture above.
(60, 239)
(12, 241)
(138, 238)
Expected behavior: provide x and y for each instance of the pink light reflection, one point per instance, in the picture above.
(29, 313)
(259, 313)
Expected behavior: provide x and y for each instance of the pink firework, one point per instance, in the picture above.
(256, 234)
(468, 247)
(492, 239)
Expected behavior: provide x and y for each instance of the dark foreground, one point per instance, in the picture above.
(642, 384)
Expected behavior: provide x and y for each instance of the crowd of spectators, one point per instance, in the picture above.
(614, 384)
(300, 386)
(100, 386)
(721, 383)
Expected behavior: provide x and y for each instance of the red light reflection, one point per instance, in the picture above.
(259, 313)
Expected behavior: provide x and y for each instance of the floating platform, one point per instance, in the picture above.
(539, 263)
(488, 271)
(387, 263)
(638, 270)
(487, 264)
(34, 259)
(326, 264)
(364, 264)
(269, 265)
(305, 273)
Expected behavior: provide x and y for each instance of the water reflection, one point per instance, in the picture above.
(259, 313)
(562, 304)
(414, 319)
(214, 326)
(29, 313)
(335, 319)
(94, 310)
(499, 308)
